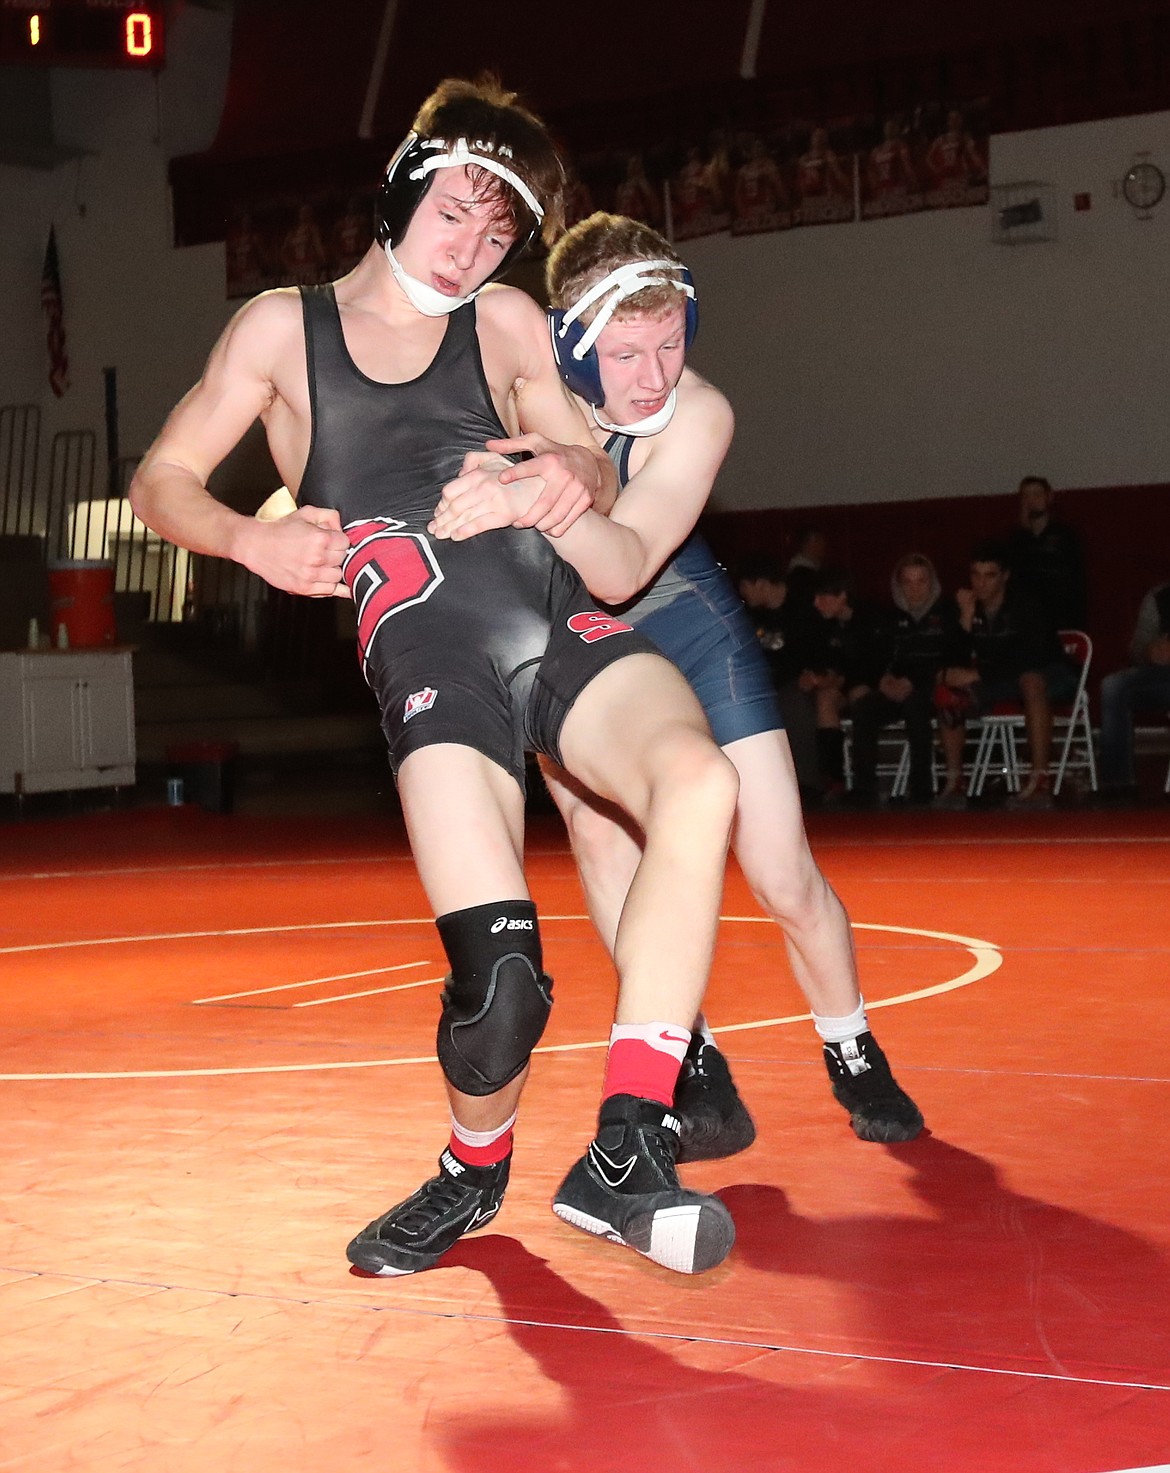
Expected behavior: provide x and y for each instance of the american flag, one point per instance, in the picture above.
(55, 324)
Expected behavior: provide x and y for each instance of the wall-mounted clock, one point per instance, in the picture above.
(1144, 185)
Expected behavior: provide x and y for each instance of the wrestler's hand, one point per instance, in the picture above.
(568, 473)
(300, 553)
(479, 501)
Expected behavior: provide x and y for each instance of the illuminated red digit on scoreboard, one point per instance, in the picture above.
(139, 37)
(34, 30)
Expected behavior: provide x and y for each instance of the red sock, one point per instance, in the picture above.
(644, 1060)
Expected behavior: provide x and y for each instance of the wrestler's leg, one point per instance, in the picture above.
(465, 818)
(606, 845)
(770, 843)
(772, 848)
(636, 736)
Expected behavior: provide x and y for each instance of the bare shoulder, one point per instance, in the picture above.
(513, 334)
(700, 402)
(266, 322)
(509, 311)
(509, 306)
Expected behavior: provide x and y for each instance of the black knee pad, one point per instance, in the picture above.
(497, 998)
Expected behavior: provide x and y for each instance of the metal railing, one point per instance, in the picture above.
(20, 443)
(227, 607)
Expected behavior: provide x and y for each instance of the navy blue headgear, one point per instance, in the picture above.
(408, 177)
(574, 346)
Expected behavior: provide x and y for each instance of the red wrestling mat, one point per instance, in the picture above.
(215, 1039)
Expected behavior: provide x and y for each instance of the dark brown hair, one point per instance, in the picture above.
(483, 112)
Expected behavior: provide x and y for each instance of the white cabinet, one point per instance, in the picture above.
(66, 720)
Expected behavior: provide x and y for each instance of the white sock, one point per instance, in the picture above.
(479, 1139)
(664, 1038)
(841, 1030)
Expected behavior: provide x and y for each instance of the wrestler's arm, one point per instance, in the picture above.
(301, 553)
(549, 413)
(618, 555)
(567, 471)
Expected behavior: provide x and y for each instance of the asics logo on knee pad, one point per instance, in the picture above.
(504, 924)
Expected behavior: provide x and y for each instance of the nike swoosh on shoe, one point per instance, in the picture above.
(622, 1169)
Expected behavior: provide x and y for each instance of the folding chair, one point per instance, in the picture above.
(892, 740)
(1077, 753)
(998, 730)
(1001, 727)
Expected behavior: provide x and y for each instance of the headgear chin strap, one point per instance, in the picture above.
(409, 176)
(651, 425)
(575, 347)
(423, 297)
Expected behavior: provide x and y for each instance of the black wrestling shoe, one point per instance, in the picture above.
(625, 1188)
(879, 1109)
(416, 1233)
(713, 1120)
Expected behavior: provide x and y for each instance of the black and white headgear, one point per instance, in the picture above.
(409, 175)
(575, 346)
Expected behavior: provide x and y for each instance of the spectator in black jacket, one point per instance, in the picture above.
(764, 590)
(1012, 654)
(1045, 556)
(833, 644)
(915, 641)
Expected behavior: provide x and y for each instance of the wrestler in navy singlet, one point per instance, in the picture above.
(487, 642)
(694, 616)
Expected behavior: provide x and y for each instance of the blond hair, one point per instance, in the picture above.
(592, 249)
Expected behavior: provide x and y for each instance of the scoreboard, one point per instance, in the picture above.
(83, 33)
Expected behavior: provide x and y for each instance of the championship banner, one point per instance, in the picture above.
(932, 158)
(891, 167)
(297, 243)
(618, 182)
(955, 153)
(698, 193)
(745, 180)
(823, 165)
(763, 189)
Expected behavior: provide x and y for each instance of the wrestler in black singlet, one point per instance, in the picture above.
(486, 642)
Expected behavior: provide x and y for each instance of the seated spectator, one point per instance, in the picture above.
(914, 643)
(1010, 652)
(804, 566)
(834, 646)
(764, 591)
(1145, 685)
(1046, 558)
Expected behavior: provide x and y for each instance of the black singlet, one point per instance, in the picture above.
(485, 643)
(388, 449)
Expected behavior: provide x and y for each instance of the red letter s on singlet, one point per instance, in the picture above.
(595, 626)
